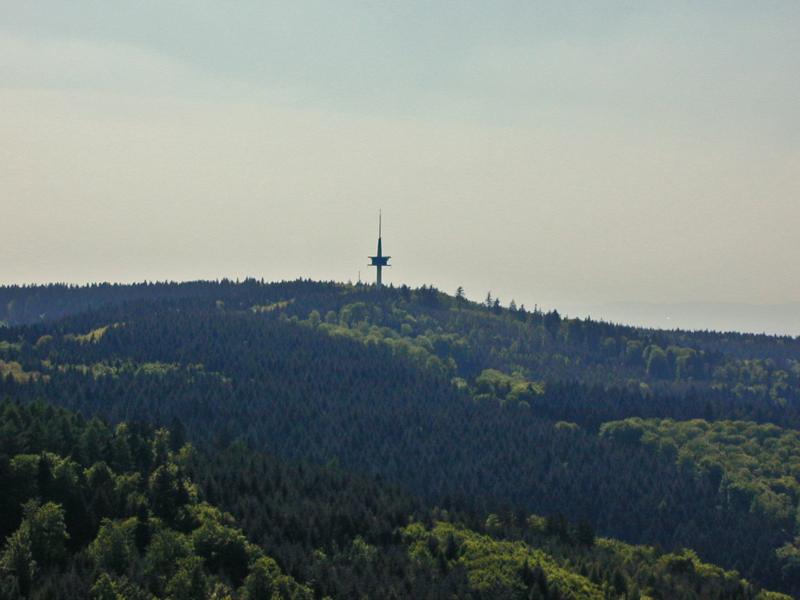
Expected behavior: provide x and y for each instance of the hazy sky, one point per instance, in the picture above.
(570, 154)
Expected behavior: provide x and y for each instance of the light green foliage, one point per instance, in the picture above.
(105, 589)
(567, 427)
(220, 591)
(630, 571)
(363, 552)
(633, 352)
(753, 378)
(494, 567)
(99, 475)
(789, 554)
(121, 447)
(96, 370)
(494, 384)
(460, 383)
(685, 361)
(17, 559)
(117, 588)
(9, 347)
(43, 341)
(679, 575)
(47, 531)
(26, 467)
(156, 368)
(160, 447)
(168, 490)
(493, 522)
(113, 549)
(656, 360)
(537, 523)
(422, 338)
(223, 547)
(359, 322)
(166, 549)
(755, 463)
(189, 581)
(92, 337)
(17, 373)
(432, 348)
(766, 595)
(609, 347)
(266, 581)
(66, 472)
(128, 367)
(353, 314)
(266, 308)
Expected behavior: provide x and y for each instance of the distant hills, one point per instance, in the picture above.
(775, 319)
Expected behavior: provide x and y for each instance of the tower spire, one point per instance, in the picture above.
(380, 260)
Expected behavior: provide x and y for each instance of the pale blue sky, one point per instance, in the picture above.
(565, 153)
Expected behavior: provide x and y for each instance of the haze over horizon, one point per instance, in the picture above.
(580, 156)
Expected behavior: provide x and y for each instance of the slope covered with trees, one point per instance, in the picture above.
(756, 467)
(91, 511)
(475, 408)
(97, 512)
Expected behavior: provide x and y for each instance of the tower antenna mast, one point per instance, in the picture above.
(380, 260)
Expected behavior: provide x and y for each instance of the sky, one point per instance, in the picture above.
(580, 155)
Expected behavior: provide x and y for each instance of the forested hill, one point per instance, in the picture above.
(28, 304)
(497, 351)
(478, 409)
(129, 513)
